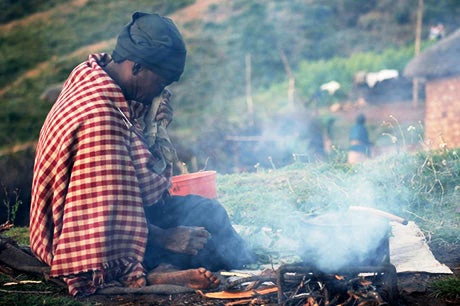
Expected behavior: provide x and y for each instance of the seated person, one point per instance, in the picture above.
(100, 212)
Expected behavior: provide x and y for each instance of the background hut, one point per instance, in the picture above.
(439, 65)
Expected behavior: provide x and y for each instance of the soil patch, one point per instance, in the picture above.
(414, 288)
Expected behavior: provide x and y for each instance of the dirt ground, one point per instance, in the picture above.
(413, 288)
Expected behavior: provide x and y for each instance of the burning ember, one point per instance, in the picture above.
(345, 260)
(302, 285)
(299, 284)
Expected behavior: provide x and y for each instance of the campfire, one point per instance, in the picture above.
(344, 260)
(303, 285)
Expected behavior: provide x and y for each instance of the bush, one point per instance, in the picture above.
(16, 181)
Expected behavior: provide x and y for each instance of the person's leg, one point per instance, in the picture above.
(225, 250)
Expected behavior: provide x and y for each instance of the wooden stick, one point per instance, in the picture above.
(26, 291)
(238, 295)
(379, 213)
(17, 259)
(153, 289)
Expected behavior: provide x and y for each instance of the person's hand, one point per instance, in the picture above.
(185, 239)
(165, 111)
(181, 239)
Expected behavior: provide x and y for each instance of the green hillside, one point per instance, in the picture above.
(321, 41)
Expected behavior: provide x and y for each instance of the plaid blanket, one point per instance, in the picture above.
(92, 177)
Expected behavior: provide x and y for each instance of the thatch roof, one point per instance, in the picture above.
(437, 61)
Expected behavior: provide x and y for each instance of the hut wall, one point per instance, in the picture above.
(442, 121)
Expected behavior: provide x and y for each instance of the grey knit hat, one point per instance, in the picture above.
(153, 41)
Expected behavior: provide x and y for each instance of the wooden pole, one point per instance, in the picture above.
(249, 101)
(418, 35)
(291, 78)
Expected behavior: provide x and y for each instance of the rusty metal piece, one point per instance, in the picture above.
(239, 295)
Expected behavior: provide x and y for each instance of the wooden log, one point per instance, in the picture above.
(19, 259)
(153, 289)
(13, 256)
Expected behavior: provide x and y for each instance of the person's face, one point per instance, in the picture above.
(146, 85)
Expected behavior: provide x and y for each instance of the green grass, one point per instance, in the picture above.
(43, 293)
(422, 187)
(19, 234)
(447, 287)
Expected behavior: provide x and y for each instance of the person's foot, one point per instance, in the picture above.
(194, 278)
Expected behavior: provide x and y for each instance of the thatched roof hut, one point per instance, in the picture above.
(440, 66)
(438, 61)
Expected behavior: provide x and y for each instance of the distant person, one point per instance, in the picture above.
(437, 32)
(101, 214)
(329, 135)
(316, 140)
(360, 145)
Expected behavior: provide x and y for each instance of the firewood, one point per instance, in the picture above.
(311, 302)
(238, 295)
(240, 302)
(13, 256)
(254, 301)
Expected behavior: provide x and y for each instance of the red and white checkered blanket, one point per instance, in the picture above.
(91, 180)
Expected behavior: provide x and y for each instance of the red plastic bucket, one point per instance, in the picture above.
(201, 183)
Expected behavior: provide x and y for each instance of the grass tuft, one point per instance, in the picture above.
(448, 287)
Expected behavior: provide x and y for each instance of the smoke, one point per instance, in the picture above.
(337, 240)
(305, 217)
